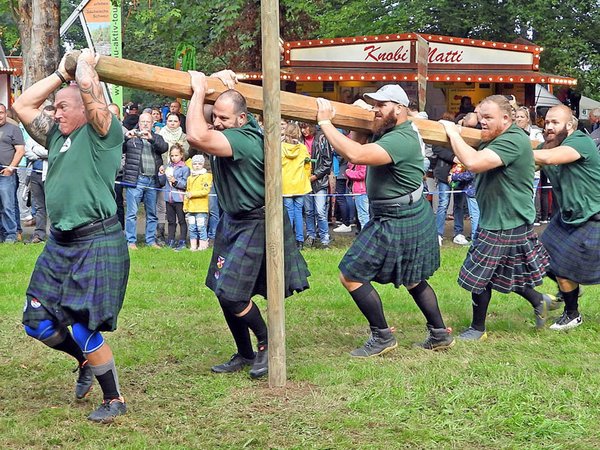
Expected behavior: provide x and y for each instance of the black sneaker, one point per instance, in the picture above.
(84, 380)
(261, 363)
(381, 341)
(108, 410)
(566, 322)
(437, 339)
(235, 364)
(300, 245)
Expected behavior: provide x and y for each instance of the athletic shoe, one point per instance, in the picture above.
(309, 241)
(108, 410)
(460, 239)
(440, 240)
(261, 363)
(84, 380)
(565, 322)
(471, 334)
(235, 364)
(381, 341)
(544, 221)
(541, 311)
(132, 247)
(180, 246)
(343, 229)
(536, 224)
(437, 339)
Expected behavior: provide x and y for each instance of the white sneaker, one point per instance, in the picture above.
(565, 322)
(460, 240)
(440, 240)
(343, 229)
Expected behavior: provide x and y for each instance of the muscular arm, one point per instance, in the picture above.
(557, 155)
(475, 161)
(27, 108)
(96, 109)
(367, 154)
(198, 133)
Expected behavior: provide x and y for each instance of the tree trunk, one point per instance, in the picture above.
(39, 24)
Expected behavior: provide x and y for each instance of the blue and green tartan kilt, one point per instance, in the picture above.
(79, 281)
(398, 246)
(574, 250)
(238, 269)
(506, 259)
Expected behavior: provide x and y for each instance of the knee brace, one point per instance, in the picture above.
(233, 307)
(47, 333)
(89, 341)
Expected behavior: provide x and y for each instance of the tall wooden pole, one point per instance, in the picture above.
(273, 196)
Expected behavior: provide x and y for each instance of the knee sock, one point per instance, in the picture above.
(106, 374)
(368, 301)
(254, 320)
(70, 347)
(241, 334)
(531, 295)
(480, 306)
(571, 302)
(426, 300)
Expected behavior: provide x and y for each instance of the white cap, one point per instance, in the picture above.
(389, 93)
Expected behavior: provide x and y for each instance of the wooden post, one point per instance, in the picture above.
(273, 195)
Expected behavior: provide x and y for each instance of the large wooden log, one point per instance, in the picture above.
(174, 83)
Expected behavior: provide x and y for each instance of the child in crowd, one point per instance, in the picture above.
(174, 177)
(195, 203)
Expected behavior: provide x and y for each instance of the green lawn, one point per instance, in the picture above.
(519, 389)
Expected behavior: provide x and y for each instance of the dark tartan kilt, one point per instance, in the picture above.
(80, 281)
(506, 259)
(400, 248)
(238, 269)
(574, 250)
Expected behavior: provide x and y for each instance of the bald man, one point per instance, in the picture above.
(571, 161)
(79, 279)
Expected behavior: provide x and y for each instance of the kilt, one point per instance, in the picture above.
(399, 245)
(82, 280)
(574, 250)
(238, 269)
(506, 259)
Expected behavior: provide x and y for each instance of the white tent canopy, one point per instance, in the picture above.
(586, 105)
(543, 97)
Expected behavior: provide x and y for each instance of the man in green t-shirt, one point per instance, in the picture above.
(79, 279)
(399, 245)
(506, 254)
(572, 163)
(237, 269)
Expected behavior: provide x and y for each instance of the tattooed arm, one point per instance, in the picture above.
(27, 106)
(96, 109)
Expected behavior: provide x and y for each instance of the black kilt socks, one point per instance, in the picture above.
(368, 301)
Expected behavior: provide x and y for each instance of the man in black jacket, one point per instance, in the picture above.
(143, 150)
(316, 204)
(445, 160)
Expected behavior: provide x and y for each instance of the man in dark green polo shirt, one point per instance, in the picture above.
(237, 270)
(399, 245)
(571, 161)
(506, 254)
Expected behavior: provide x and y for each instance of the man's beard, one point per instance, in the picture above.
(488, 135)
(555, 139)
(387, 123)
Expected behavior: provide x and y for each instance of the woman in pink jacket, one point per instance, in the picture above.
(357, 175)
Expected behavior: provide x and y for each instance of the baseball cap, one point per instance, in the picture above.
(389, 93)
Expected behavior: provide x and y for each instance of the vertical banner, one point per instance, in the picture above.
(116, 48)
(422, 56)
(103, 20)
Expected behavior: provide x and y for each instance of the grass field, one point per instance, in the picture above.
(520, 389)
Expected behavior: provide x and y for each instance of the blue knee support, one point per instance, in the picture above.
(44, 330)
(89, 341)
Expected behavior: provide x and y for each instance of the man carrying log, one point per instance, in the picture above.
(237, 269)
(399, 245)
(506, 255)
(79, 280)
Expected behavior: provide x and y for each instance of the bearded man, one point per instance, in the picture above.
(572, 163)
(399, 244)
(506, 255)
